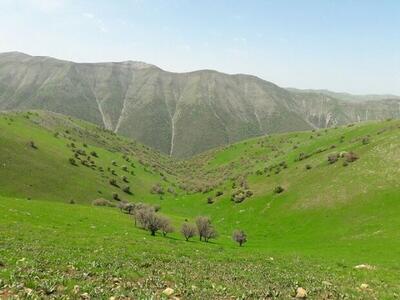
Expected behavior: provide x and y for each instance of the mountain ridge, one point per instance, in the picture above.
(180, 114)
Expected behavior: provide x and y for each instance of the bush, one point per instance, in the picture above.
(350, 157)
(126, 207)
(127, 190)
(308, 167)
(332, 158)
(72, 161)
(188, 230)
(102, 202)
(94, 154)
(219, 193)
(157, 189)
(240, 237)
(116, 197)
(113, 182)
(210, 200)
(278, 189)
(33, 145)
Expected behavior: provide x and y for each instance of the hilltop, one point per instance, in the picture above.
(179, 114)
(314, 204)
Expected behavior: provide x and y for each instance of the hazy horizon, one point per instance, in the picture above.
(342, 46)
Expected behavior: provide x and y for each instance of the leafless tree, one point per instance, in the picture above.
(202, 223)
(188, 230)
(240, 237)
(165, 225)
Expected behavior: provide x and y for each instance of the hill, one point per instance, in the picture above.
(179, 114)
(336, 209)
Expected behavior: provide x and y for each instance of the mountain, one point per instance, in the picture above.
(346, 96)
(179, 114)
(331, 228)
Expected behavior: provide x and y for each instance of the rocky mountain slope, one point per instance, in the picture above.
(180, 114)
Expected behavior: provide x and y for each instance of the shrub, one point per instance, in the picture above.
(127, 190)
(33, 145)
(94, 154)
(102, 202)
(365, 141)
(240, 237)
(308, 167)
(278, 189)
(72, 161)
(332, 158)
(188, 230)
(210, 200)
(350, 157)
(219, 193)
(116, 197)
(125, 179)
(126, 207)
(113, 182)
(157, 189)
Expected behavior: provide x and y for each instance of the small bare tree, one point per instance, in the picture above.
(188, 230)
(165, 225)
(202, 224)
(240, 237)
(142, 213)
(210, 233)
(153, 222)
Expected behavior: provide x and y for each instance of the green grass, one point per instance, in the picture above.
(328, 220)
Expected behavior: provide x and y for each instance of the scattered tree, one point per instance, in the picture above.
(188, 230)
(205, 229)
(165, 226)
(240, 237)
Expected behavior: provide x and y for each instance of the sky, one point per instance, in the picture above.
(344, 45)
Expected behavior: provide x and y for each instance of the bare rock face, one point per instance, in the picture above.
(180, 114)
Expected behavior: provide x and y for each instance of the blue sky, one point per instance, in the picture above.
(351, 46)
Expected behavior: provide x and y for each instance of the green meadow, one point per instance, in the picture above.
(328, 217)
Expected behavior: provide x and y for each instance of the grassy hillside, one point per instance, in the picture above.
(43, 170)
(329, 218)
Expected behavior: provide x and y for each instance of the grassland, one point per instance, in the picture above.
(329, 218)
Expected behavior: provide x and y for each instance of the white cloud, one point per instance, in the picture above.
(47, 6)
(88, 15)
(96, 21)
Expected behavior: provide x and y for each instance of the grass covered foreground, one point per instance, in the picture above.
(331, 215)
